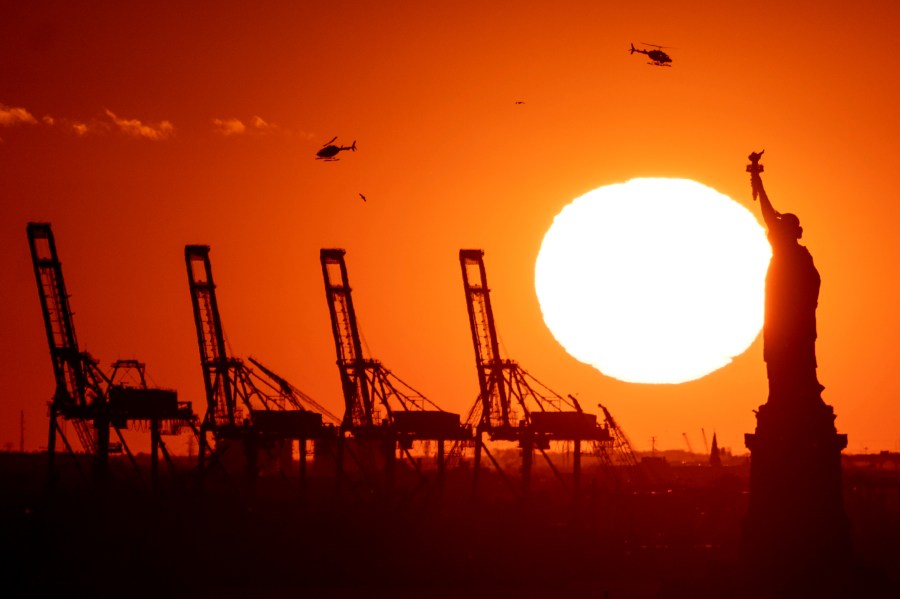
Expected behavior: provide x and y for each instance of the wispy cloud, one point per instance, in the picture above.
(162, 130)
(10, 116)
(136, 128)
(262, 125)
(233, 126)
(229, 126)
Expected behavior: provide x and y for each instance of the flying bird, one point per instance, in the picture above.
(363, 197)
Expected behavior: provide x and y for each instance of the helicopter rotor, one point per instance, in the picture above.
(658, 46)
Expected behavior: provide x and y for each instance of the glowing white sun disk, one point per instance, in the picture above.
(653, 280)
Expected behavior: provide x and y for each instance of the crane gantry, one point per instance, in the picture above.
(256, 409)
(512, 405)
(92, 400)
(378, 405)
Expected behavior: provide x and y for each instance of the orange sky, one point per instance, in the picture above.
(113, 122)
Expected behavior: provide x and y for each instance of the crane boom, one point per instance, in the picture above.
(491, 382)
(81, 387)
(359, 409)
(220, 395)
(294, 396)
(74, 384)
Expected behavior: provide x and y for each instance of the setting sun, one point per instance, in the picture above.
(653, 280)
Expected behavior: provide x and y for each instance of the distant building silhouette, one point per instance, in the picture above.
(714, 458)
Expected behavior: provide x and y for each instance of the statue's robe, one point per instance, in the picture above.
(789, 332)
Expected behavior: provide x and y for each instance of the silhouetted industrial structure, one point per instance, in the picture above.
(379, 408)
(258, 411)
(715, 459)
(676, 534)
(620, 453)
(86, 396)
(512, 405)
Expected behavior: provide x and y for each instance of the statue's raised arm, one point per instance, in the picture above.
(770, 215)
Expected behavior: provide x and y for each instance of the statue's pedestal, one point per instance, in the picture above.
(795, 528)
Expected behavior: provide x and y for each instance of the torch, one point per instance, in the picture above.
(755, 168)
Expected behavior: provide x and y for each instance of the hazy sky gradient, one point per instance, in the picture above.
(136, 128)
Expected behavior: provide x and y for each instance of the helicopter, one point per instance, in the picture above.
(329, 151)
(657, 57)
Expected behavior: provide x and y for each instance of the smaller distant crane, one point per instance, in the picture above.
(622, 450)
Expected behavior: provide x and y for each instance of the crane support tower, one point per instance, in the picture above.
(92, 400)
(378, 406)
(257, 410)
(512, 405)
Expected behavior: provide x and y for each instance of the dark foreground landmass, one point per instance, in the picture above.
(675, 532)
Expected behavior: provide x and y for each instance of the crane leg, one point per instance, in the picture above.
(101, 423)
(476, 467)
(302, 471)
(339, 466)
(576, 468)
(51, 450)
(440, 464)
(154, 455)
(527, 459)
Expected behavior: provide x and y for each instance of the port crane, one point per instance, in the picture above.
(512, 405)
(249, 408)
(621, 452)
(379, 407)
(92, 400)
